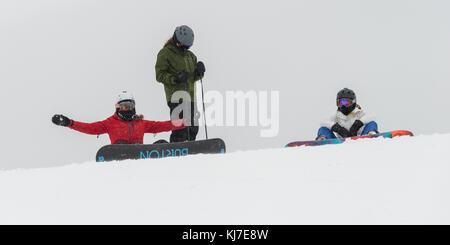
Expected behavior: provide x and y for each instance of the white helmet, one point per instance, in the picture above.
(124, 95)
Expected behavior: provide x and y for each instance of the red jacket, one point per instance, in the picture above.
(131, 132)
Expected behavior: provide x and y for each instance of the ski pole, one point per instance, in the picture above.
(204, 115)
(189, 116)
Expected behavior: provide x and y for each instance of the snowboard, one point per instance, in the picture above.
(390, 134)
(143, 151)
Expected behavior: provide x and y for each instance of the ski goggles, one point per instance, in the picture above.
(344, 102)
(185, 46)
(125, 105)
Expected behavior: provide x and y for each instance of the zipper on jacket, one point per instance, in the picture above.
(129, 131)
(132, 126)
(186, 64)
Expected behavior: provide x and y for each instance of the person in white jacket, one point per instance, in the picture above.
(349, 121)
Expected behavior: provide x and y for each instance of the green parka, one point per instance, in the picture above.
(172, 60)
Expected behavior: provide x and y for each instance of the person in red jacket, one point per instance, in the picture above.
(125, 126)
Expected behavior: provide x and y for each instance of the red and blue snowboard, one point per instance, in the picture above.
(390, 134)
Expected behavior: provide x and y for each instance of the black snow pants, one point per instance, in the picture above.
(190, 132)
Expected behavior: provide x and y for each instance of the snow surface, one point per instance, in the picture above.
(370, 181)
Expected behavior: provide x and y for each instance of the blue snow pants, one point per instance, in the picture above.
(324, 131)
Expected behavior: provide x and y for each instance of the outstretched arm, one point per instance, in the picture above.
(87, 128)
(164, 126)
(95, 128)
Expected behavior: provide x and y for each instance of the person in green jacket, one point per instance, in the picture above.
(178, 70)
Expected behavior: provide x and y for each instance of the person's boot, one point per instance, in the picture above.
(160, 142)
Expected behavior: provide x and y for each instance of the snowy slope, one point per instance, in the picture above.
(371, 181)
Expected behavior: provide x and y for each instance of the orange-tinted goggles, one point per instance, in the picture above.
(125, 105)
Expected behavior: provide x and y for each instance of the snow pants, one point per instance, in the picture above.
(324, 131)
(190, 132)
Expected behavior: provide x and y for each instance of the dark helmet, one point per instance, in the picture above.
(184, 35)
(346, 93)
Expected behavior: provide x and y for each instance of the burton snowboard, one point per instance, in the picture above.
(390, 134)
(124, 152)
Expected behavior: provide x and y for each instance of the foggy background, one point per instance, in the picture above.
(74, 57)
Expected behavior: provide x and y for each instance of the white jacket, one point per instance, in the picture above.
(347, 121)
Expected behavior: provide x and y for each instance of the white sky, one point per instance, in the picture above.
(73, 57)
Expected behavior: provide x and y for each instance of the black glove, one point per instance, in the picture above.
(61, 120)
(200, 70)
(340, 130)
(181, 77)
(355, 127)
